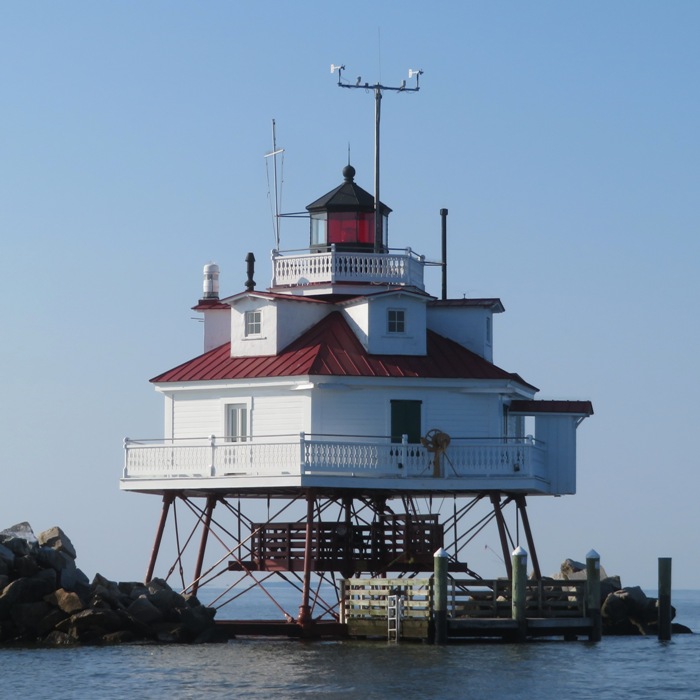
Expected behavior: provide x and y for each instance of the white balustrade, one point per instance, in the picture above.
(339, 266)
(349, 457)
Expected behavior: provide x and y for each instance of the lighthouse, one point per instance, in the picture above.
(332, 416)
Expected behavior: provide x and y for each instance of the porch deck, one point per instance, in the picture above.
(282, 463)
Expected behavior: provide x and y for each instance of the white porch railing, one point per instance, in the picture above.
(341, 456)
(291, 268)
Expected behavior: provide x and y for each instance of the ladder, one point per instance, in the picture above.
(394, 613)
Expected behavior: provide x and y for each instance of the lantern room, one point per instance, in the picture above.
(344, 218)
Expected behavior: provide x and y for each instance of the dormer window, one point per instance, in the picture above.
(253, 323)
(396, 321)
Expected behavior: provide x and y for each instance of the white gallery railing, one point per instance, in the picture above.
(292, 268)
(329, 455)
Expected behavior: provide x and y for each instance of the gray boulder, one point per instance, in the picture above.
(59, 639)
(166, 600)
(67, 601)
(29, 619)
(46, 599)
(26, 566)
(56, 538)
(26, 590)
(144, 611)
(21, 530)
(89, 626)
(7, 556)
(49, 558)
(17, 546)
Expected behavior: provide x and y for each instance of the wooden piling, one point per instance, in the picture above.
(440, 596)
(593, 595)
(519, 589)
(664, 601)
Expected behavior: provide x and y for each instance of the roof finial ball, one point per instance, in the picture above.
(349, 173)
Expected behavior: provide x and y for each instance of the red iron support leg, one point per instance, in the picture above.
(168, 498)
(522, 509)
(498, 513)
(211, 503)
(304, 618)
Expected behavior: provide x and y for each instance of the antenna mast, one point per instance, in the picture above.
(274, 152)
(377, 88)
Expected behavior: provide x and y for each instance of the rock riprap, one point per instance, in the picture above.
(46, 599)
(623, 610)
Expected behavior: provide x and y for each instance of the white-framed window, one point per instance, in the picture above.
(237, 422)
(396, 321)
(319, 229)
(488, 330)
(253, 323)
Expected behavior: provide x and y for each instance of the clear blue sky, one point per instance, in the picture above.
(563, 138)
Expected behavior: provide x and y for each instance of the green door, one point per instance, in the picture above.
(405, 420)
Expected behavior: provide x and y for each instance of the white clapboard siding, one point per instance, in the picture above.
(279, 414)
(352, 411)
(465, 415)
(197, 414)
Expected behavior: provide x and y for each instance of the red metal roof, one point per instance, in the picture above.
(584, 408)
(331, 348)
(274, 295)
(207, 304)
(491, 303)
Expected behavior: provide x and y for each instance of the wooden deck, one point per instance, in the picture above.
(477, 609)
(400, 542)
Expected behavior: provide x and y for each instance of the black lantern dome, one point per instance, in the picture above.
(344, 217)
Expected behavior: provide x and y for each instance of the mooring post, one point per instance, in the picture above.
(519, 589)
(440, 596)
(664, 602)
(593, 595)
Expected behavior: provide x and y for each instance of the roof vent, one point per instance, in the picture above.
(210, 286)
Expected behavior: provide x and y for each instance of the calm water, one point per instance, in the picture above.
(631, 667)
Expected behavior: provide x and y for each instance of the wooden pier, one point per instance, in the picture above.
(477, 608)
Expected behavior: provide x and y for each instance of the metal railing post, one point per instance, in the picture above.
(404, 454)
(303, 461)
(274, 255)
(332, 261)
(212, 467)
(126, 457)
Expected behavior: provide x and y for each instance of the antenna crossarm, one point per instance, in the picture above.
(377, 86)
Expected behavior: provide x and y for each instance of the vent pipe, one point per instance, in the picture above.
(443, 214)
(250, 263)
(210, 286)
